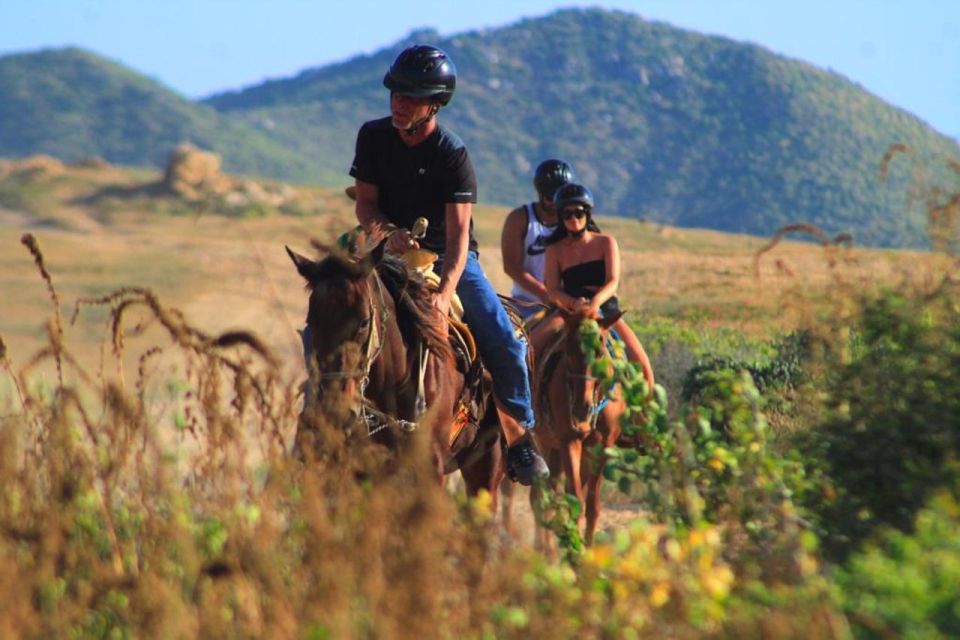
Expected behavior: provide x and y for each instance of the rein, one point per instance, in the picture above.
(375, 419)
(597, 402)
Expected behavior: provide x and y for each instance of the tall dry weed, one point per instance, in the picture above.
(941, 202)
(113, 523)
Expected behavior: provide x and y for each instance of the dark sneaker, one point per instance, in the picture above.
(524, 464)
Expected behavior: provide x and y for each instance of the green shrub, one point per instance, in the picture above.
(891, 436)
(783, 369)
(906, 586)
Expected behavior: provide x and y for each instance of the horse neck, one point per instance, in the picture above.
(574, 363)
(393, 372)
(574, 357)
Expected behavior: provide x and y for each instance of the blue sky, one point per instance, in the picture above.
(905, 51)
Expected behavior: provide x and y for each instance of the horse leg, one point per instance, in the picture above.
(592, 479)
(438, 467)
(481, 463)
(540, 542)
(543, 541)
(506, 507)
(608, 427)
(484, 473)
(571, 457)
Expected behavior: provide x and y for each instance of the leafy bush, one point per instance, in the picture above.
(891, 437)
(714, 466)
(784, 369)
(674, 349)
(905, 585)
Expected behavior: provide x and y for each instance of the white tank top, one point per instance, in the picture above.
(534, 246)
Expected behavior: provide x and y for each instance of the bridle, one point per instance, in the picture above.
(372, 344)
(596, 404)
(374, 419)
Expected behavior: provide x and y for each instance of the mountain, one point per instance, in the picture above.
(664, 124)
(72, 103)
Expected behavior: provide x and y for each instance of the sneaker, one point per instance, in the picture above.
(524, 464)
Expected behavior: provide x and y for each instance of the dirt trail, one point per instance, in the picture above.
(613, 516)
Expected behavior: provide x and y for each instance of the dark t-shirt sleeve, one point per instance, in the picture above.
(462, 181)
(363, 167)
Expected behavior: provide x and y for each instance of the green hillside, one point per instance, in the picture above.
(71, 103)
(666, 124)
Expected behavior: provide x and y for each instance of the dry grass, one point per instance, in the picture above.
(233, 273)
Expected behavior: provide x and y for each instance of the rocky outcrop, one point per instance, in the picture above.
(195, 175)
(192, 173)
(89, 162)
(31, 166)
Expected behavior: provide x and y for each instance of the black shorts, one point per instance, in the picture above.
(610, 308)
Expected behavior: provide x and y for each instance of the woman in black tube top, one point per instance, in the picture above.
(582, 267)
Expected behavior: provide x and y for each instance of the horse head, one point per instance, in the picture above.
(582, 388)
(345, 296)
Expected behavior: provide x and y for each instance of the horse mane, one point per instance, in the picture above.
(416, 315)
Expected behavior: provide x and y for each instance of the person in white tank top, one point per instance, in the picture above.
(522, 241)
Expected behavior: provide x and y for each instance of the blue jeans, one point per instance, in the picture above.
(502, 352)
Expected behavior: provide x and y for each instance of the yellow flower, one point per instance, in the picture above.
(712, 536)
(660, 595)
(598, 556)
(483, 504)
(808, 564)
(671, 549)
(717, 582)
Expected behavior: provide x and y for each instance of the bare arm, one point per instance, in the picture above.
(551, 274)
(457, 220)
(611, 259)
(511, 249)
(368, 207)
(369, 215)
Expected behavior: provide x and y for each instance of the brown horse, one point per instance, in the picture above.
(574, 416)
(382, 348)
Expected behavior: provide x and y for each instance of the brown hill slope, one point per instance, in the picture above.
(102, 228)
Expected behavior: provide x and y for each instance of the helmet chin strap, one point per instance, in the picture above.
(412, 129)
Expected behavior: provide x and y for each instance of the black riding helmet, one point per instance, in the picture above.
(573, 193)
(551, 175)
(422, 71)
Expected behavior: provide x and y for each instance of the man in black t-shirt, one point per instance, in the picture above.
(407, 166)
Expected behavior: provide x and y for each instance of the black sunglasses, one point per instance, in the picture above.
(579, 212)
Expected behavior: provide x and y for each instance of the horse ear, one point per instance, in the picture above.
(606, 323)
(305, 266)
